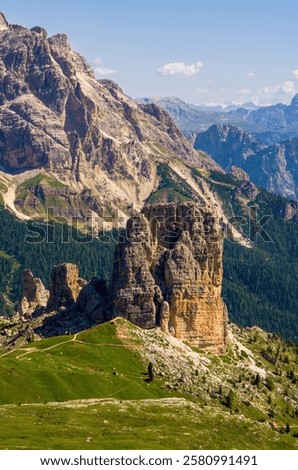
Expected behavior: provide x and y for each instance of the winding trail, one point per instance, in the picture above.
(27, 352)
(83, 403)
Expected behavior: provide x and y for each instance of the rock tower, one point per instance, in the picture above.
(168, 273)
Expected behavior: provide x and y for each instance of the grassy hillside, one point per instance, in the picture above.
(93, 364)
(144, 424)
(171, 187)
(92, 391)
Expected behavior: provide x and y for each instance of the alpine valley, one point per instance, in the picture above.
(148, 288)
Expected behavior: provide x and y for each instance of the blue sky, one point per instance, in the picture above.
(201, 51)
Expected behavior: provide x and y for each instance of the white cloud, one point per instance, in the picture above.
(295, 74)
(245, 92)
(180, 69)
(216, 103)
(269, 90)
(269, 94)
(286, 88)
(250, 74)
(201, 90)
(100, 69)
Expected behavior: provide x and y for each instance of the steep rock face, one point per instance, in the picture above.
(56, 117)
(239, 174)
(274, 168)
(93, 301)
(3, 22)
(65, 286)
(246, 188)
(168, 273)
(228, 145)
(72, 305)
(34, 295)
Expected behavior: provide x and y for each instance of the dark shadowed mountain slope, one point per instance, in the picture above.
(275, 168)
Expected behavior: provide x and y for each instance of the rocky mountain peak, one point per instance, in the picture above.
(3, 22)
(294, 101)
(39, 30)
(228, 144)
(167, 273)
(94, 146)
(60, 39)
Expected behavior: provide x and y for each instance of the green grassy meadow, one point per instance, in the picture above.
(91, 391)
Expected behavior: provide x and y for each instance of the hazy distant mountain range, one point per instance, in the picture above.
(271, 124)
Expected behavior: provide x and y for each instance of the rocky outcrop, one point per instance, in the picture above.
(72, 305)
(246, 188)
(3, 23)
(94, 302)
(276, 168)
(34, 297)
(239, 174)
(168, 273)
(65, 286)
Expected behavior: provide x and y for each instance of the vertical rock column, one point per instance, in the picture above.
(65, 286)
(168, 273)
(34, 295)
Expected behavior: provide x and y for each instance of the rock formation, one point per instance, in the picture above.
(34, 295)
(246, 188)
(273, 168)
(65, 286)
(3, 22)
(93, 301)
(239, 174)
(90, 145)
(168, 273)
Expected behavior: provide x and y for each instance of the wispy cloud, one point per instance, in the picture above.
(201, 90)
(245, 92)
(286, 88)
(100, 68)
(250, 74)
(180, 69)
(295, 74)
(269, 94)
